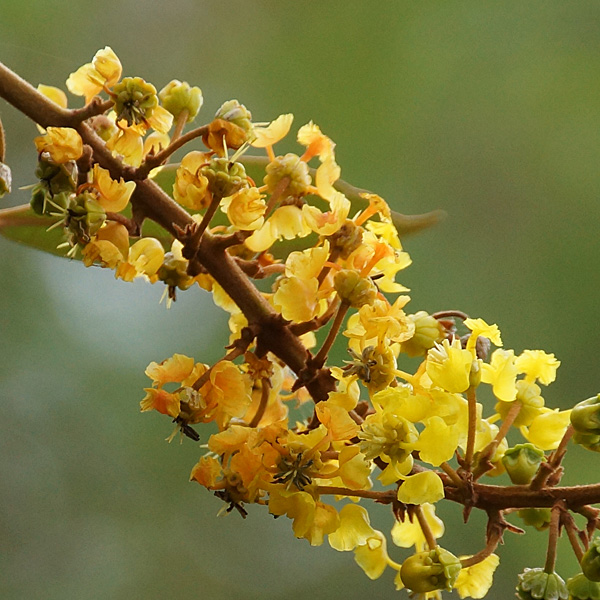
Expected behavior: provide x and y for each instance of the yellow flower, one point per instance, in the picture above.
(437, 442)
(245, 209)
(354, 530)
(547, 429)
(475, 581)
(449, 366)
(502, 374)
(275, 131)
(480, 328)
(372, 556)
(537, 364)
(206, 471)
(53, 93)
(354, 469)
(104, 71)
(286, 222)
(312, 519)
(337, 420)
(61, 143)
(162, 401)
(308, 263)
(174, 369)
(112, 195)
(409, 533)
(421, 488)
(145, 258)
(128, 143)
(190, 187)
(317, 143)
(297, 299)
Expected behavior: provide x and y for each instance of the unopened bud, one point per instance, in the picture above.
(294, 169)
(536, 584)
(354, 289)
(522, 462)
(178, 96)
(590, 562)
(432, 570)
(581, 588)
(428, 331)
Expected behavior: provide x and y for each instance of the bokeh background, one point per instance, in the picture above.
(490, 111)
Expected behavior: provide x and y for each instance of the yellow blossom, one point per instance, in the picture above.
(275, 131)
(449, 366)
(112, 195)
(206, 471)
(317, 143)
(104, 71)
(537, 364)
(245, 209)
(476, 580)
(190, 187)
(372, 556)
(437, 442)
(502, 374)
(145, 258)
(286, 222)
(162, 401)
(480, 328)
(297, 299)
(53, 93)
(308, 263)
(421, 488)
(337, 420)
(547, 429)
(354, 469)
(61, 143)
(410, 533)
(354, 530)
(129, 144)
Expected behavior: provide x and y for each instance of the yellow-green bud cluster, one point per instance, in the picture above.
(522, 462)
(5, 179)
(135, 100)
(435, 569)
(387, 435)
(536, 517)
(375, 367)
(84, 216)
(428, 332)
(174, 272)
(57, 183)
(585, 418)
(590, 562)
(235, 113)
(224, 177)
(178, 96)
(346, 239)
(292, 167)
(581, 588)
(354, 289)
(536, 584)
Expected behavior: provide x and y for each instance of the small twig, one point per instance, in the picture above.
(264, 401)
(96, 107)
(573, 534)
(2, 143)
(450, 471)
(319, 360)
(472, 427)
(548, 468)
(157, 159)
(553, 533)
(431, 542)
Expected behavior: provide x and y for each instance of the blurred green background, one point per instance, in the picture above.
(490, 111)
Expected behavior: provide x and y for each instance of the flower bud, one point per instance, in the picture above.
(590, 562)
(5, 179)
(581, 588)
(432, 570)
(224, 177)
(178, 96)
(536, 584)
(292, 167)
(585, 416)
(536, 517)
(428, 331)
(522, 462)
(235, 113)
(84, 218)
(135, 99)
(354, 289)
(173, 272)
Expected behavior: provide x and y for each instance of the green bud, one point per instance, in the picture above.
(178, 96)
(354, 289)
(428, 332)
(56, 178)
(590, 562)
(581, 588)
(536, 584)
(5, 179)
(135, 100)
(475, 373)
(290, 166)
(235, 113)
(224, 177)
(522, 462)
(585, 416)
(536, 517)
(432, 570)
(84, 217)
(174, 272)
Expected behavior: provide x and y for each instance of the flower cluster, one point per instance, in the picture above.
(422, 410)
